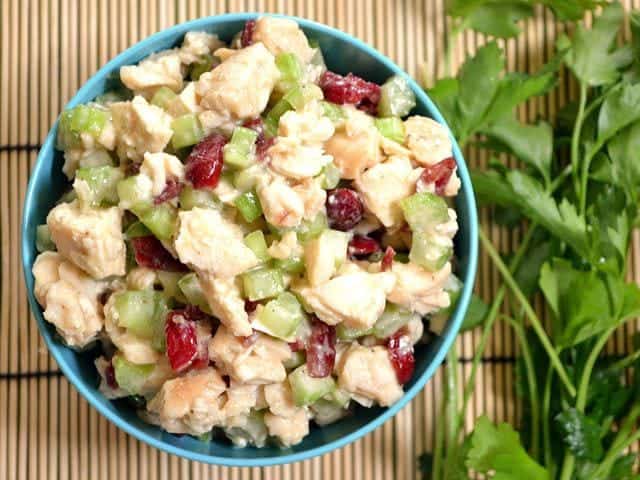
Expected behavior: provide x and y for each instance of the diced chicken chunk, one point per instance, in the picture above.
(281, 35)
(355, 298)
(259, 363)
(91, 157)
(368, 372)
(279, 398)
(208, 241)
(69, 298)
(309, 125)
(141, 278)
(197, 44)
(288, 430)
(239, 87)
(90, 238)
(190, 404)
(161, 167)
(324, 254)
(185, 102)
(313, 197)
(162, 69)
(223, 296)
(418, 290)
(428, 141)
(239, 400)
(140, 128)
(356, 147)
(383, 186)
(286, 247)
(415, 329)
(292, 159)
(281, 205)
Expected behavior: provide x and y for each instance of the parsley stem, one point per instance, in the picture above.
(575, 138)
(546, 431)
(625, 362)
(439, 443)
(528, 309)
(623, 440)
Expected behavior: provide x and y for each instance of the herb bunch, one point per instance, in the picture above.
(576, 193)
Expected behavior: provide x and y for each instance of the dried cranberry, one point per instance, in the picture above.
(171, 190)
(246, 38)
(262, 143)
(297, 345)
(438, 174)
(255, 124)
(250, 306)
(204, 163)
(182, 340)
(321, 350)
(350, 89)
(250, 340)
(401, 355)
(362, 246)
(344, 209)
(110, 376)
(387, 259)
(149, 252)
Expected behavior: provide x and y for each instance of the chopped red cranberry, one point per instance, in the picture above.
(387, 259)
(262, 143)
(350, 89)
(255, 124)
(296, 346)
(321, 350)
(250, 306)
(250, 340)
(149, 252)
(438, 174)
(361, 246)
(204, 163)
(246, 38)
(182, 340)
(171, 190)
(110, 376)
(132, 168)
(401, 355)
(344, 209)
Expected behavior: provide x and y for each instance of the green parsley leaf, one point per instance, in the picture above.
(445, 93)
(528, 272)
(581, 434)
(491, 188)
(620, 109)
(498, 18)
(625, 170)
(571, 9)
(476, 313)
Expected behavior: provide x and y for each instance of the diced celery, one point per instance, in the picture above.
(253, 431)
(129, 194)
(396, 98)
(137, 229)
(187, 131)
(349, 334)
(306, 389)
(333, 112)
(330, 176)
(161, 220)
(430, 251)
(102, 182)
(282, 315)
(262, 283)
(204, 64)
(43, 239)
(191, 198)
(96, 158)
(391, 128)
(392, 319)
(169, 282)
(130, 376)
(80, 119)
(325, 412)
(325, 254)
(318, 59)
(141, 312)
(272, 118)
(163, 97)
(313, 228)
(424, 210)
(300, 95)
(249, 207)
(293, 265)
(291, 71)
(258, 245)
(339, 397)
(295, 360)
(238, 153)
(247, 179)
(189, 285)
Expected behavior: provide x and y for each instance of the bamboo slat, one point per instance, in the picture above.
(48, 48)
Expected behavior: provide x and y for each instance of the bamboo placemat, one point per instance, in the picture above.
(48, 48)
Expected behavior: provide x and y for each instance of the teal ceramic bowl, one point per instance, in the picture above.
(343, 54)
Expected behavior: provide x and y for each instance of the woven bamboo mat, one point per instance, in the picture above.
(48, 48)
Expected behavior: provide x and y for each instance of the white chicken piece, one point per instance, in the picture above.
(140, 128)
(91, 238)
(309, 125)
(286, 247)
(289, 157)
(356, 298)
(197, 44)
(313, 197)
(418, 290)
(428, 141)
(239, 400)
(191, 403)
(208, 241)
(161, 167)
(367, 372)
(279, 398)
(185, 102)
(383, 186)
(239, 87)
(141, 278)
(288, 430)
(224, 298)
(415, 329)
(356, 146)
(281, 205)
(258, 363)
(69, 298)
(162, 69)
(324, 254)
(450, 189)
(92, 157)
(281, 35)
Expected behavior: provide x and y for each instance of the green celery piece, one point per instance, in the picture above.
(308, 230)
(262, 283)
(169, 282)
(430, 251)
(204, 64)
(245, 180)
(187, 131)
(391, 128)
(131, 377)
(295, 360)
(190, 198)
(333, 112)
(44, 242)
(249, 207)
(396, 98)
(77, 120)
(300, 95)
(161, 220)
(326, 412)
(190, 287)
(350, 334)
(272, 118)
(258, 245)
(163, 97)
(238, 153)
(137, 229)
(330, 176)
(392, 319)
(338, 397)
(102, 182)
(424, 210)
(141, 312)
(282, 315)
(129, 194)
(291, 70)
(96, 158)
(306, 389)
(293, 265)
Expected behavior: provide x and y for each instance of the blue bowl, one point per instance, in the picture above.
(343, 54)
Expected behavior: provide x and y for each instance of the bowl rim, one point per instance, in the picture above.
(144, 48)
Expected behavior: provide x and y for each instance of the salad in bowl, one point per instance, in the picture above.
(254, 242)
